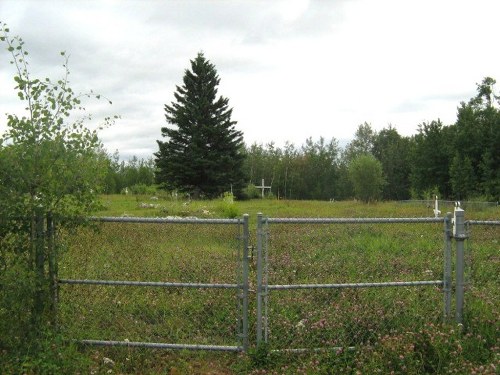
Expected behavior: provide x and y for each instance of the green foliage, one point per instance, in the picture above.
(461, 160)
(203, 152)
(477, 138)
(367, 177)
(227, 206)
(17, 283)
(260, 355)
(143, 189)
(50, 170)
(430, 159)
(393, 151)
(361, 144)
(462, 177)
(49, 160)
(251, 192)
(126, 174)
(310, 172)
(50, 354)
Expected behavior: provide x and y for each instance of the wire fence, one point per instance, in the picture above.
(447, 205)
(176, 283)
(339, 283)
(320, 284)
(482, 275)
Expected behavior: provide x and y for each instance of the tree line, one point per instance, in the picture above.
(135, 175)
(205, 155)
(458, 161)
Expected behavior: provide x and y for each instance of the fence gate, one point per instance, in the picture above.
(336, 283)
(330, 283)
(123, 291)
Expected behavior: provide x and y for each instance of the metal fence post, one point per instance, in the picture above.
(53, 267)
(460, 236)
(447, 266)
(39, 297)
(259, 278)
(245, 266)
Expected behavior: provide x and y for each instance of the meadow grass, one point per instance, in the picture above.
(164, 205)
(392, 329)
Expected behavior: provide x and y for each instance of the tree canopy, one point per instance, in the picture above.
(456, 161)
(203, 153)
(366, 175)
(50, 172)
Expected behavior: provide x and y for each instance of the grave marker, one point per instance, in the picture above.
(263, 187)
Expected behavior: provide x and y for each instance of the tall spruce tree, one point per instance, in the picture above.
(204, 153)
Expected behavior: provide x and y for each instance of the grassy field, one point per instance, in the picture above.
(163, 206)
(398, 330)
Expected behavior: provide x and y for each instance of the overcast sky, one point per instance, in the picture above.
(291, 69)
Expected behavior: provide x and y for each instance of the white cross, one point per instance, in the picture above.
(263, 187)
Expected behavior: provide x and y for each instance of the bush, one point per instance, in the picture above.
(143, 189)
(48, 355)
(228, 207)
(251, 192)
(51, 169)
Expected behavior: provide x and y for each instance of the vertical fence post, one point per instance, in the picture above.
(39, 300)
(460, 236)
(53, 271)
(447, 266)
(245, 265)
(259, 277)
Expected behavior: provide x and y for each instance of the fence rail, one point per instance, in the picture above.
(163, 220)
(158, 345)
(374, 220)
(240, 286)
(266, 255)
(483, 222)
(356, 285)
(310, 289)
(150, 283)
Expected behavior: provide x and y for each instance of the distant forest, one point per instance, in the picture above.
(457, 161)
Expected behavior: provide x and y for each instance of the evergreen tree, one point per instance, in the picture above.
(393, 151)
(204, 152)
(430, 159)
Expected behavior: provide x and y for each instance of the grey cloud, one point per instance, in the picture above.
(320, 17)
(135, 53)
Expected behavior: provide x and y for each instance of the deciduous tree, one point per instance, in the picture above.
(50, 167)
(477, 138)
(366, 175)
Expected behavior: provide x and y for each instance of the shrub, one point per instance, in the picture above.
(227, 206)
(251, 192)
(143, 189)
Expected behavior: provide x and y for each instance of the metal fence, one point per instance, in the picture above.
(329, 283)
(118, 289)
(481, 280)
(316, 279)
